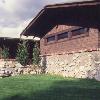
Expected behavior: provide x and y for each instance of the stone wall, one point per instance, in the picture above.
(84, 64)
(12, 67)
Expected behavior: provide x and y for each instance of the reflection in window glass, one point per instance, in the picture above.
(51, 38)
(62, 35)
(79, 31)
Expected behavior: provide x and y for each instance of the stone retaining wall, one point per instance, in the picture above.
(79, 65)
(12, 68)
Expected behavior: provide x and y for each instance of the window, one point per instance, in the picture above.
(67, 35)
(79, 31)
(51, 38)
(62, 35)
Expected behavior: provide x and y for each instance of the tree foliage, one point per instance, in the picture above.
(5, 53)
(36, 55)
(22, 53)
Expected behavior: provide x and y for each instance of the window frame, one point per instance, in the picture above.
(47, 36)
(70, 36)
(86, 33)
(61, 38)
(51, 40)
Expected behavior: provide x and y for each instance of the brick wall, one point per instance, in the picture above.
(75, 44)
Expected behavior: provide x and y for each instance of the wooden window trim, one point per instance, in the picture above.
(81, 35)
(70, 37)
(47, 36)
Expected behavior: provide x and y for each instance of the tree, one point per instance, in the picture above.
(5, 53)
(36, 55)
(22, 53)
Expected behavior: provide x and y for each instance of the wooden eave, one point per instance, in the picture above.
(47, 15)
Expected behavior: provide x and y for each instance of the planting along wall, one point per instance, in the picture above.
(85, 64)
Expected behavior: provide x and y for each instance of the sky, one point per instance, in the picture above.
(15, 15)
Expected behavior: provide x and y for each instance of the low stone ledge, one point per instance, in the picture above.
(10, 68)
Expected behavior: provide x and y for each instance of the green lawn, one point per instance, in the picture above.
(46, 87)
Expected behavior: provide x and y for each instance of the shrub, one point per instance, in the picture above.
(36, 55)
(22, 53)
(5, 53)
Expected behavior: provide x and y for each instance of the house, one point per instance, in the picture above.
(70, 38)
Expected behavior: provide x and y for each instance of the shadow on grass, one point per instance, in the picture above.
(63, 90)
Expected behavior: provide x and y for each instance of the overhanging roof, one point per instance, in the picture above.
(84, 14)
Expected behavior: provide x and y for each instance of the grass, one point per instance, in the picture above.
(47, 87)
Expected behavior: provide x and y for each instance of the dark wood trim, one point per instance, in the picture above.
(81, 35)
(82, 3)
(62, 5)
(70, 37)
